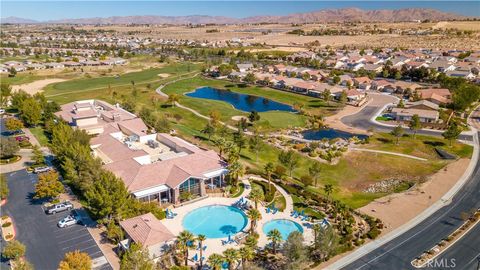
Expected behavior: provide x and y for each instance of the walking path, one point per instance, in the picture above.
(159, 91)
(388, 153)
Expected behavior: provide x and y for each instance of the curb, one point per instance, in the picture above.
(445, 200)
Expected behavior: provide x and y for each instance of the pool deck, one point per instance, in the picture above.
(215, 245)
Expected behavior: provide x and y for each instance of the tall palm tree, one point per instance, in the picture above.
(216, 260)
(201, 238)
(221, 143)
(254, 216)
(328, 188)
(275, 237)
(255, 195)
(268, 171)
(231, 256)
(316, 229)
(235, 170)
(184, 238)
(315, 171)
(246, 254)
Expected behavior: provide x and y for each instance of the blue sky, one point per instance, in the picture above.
(51, 10)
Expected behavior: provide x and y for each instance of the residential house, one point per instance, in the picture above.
(244, 67)
(461, 74)
(362, 82)
(426, 111)
(439, 96)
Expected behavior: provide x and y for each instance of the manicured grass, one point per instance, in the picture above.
(141, 77)
(241, 188)
(353, 173)
(279, 202)
(39, 133)
(420, 146)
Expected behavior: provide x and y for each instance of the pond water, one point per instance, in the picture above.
(330, 133)
(246, 103)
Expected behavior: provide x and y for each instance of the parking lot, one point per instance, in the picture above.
(46, 243)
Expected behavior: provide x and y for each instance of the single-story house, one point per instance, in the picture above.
(406, 114)
(440, 96)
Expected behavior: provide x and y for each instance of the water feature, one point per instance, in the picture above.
(330, 133)
(243, 102)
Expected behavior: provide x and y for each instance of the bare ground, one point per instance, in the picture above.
(36, 86)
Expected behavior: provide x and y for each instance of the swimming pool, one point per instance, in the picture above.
(215, 221)
(285, 226)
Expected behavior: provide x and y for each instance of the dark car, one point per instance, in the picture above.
(22, 138)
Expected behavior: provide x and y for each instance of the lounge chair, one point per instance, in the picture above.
(275, 210)
(204, 248)
(268, 210)
(195, 258)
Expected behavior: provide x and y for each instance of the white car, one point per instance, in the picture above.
(69, 221)
(42, 169)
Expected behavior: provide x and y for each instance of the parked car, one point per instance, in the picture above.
(14, 132)
(42, 169)
(59, 207)
(2, 111)
(22, 138)
(72, 219)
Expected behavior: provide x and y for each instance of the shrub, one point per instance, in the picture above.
(280, 170)
(6, 224)
(373, 233)
(268, 195)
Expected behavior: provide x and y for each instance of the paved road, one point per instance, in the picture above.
(466, 252)
(46, 243)
(362, 119)
(398, 253)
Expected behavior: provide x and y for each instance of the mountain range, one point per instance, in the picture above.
(321, 16)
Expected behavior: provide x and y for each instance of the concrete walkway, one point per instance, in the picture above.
(24, 162)
(388, 153)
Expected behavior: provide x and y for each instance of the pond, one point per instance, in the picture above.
(246, 103)
(330, 133)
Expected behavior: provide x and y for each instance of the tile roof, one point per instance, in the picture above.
(146, 230)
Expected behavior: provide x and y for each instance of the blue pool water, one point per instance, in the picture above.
(285, 226)
(329, 133)
(215, 221)
(246, 103)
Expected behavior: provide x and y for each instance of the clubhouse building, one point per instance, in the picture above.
(155, 167)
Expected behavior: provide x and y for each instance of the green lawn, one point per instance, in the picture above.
(39, 133)
(350, 176)
(420, 146)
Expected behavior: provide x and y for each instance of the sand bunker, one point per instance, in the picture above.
(36, 86)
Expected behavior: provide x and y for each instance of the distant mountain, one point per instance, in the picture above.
(322, 16)
(16, 20)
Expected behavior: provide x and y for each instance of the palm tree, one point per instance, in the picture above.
(184, 238)
(246, 254)
(275, 237)
(254, 216)
(231, 256)
(235, 170)
(268, 171)
(201, 238)
(316, 229)
(216, 260)
(255, 195)
(315, 171)
(173, 98)
(221, 143)
(328, 188)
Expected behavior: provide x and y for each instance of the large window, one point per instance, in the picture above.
(191, 185)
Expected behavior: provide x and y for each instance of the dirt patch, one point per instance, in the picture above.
(396, 209)
(36, 86)
(238, 117)
(163, 75)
